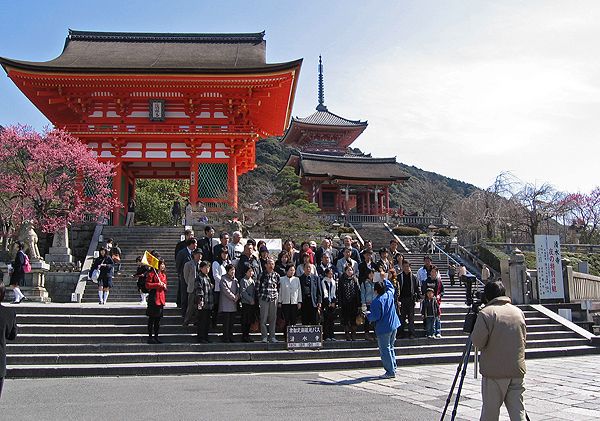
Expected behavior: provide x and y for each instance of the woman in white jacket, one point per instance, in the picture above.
(218, 270)
(290, 297)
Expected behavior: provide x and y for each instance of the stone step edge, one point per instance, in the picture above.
(246, 354)
(209, 367)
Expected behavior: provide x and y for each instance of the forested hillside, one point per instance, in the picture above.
(426, 192)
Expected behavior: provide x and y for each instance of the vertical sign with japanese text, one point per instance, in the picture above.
(157, 110)
(549, 267)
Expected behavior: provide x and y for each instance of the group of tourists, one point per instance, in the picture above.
(308, 284)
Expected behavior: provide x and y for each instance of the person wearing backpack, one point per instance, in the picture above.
(19, 268)
(141, 273)
(105, 264)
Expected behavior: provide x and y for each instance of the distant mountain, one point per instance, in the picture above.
(426, 193)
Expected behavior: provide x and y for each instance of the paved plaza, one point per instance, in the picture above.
(557, 389)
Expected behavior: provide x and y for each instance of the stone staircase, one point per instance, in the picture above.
(376, 232)
(133, 242)
(91, 340)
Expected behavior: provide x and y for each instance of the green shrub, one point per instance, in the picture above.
(402, 230)
(593, 260)
(442, 232)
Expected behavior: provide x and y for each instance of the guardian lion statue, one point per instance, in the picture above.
(30, 240)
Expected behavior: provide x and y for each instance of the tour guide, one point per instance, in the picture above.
(383, 314)
(500, 335)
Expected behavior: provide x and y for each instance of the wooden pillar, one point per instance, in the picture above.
(117, 189)
(232, 181)
(320, 196)
(381, 209)
(194, 182)
(387, 199)
(368, 201)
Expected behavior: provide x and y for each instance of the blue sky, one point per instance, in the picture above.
(464, 88)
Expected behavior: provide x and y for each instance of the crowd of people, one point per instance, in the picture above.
(308, 284)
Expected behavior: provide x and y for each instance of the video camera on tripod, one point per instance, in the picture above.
(468, 326)
(474, 309)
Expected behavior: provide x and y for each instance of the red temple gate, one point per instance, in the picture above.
(174, 106)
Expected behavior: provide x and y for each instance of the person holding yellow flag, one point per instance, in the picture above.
(156, 284)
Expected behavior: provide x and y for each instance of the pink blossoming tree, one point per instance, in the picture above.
(584, 210)
(44, 178)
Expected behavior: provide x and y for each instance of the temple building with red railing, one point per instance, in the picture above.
(333, 175)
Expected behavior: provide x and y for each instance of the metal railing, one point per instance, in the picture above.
(449, 259)
(418, 220)
(583, 287)
(574, 248)
(355, 218)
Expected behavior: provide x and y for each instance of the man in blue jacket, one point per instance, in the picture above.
(383, 314)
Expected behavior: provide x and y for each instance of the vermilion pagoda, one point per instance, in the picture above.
(333, 175)
(165, 105)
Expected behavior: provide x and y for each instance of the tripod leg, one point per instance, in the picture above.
(462, 378)
(465, 354)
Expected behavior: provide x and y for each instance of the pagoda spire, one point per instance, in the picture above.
(321, 106)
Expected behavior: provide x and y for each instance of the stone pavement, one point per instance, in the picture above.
(566, 388)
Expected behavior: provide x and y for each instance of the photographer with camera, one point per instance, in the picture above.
(499, 333)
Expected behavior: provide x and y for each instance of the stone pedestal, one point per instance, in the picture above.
(517, 283)
(60, 251)
(35, 282)
(5, 274)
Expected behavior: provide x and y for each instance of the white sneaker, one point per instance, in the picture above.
(264, 340)
(274, 341)
(438, 335)
(430, 336)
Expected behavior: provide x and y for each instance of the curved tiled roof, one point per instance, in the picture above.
(155, 52)
(351, 167)
(326, 118)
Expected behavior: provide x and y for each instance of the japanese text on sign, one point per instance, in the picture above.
(549, 267)
(307, 337)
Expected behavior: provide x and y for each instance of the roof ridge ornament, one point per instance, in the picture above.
(321, 106)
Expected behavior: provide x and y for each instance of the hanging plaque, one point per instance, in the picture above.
(157, 110)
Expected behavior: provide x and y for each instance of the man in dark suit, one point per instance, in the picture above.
(8, 330)
(205, 244)
(184, 256)
(181, 245)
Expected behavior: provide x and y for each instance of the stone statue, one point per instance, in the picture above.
(30, 240)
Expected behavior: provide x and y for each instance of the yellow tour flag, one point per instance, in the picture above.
(150, 260)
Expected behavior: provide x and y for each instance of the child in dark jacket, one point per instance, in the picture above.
(430, 311)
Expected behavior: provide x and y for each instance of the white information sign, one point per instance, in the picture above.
(549, 267)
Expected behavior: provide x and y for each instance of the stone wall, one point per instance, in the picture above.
(60, 285)
(79, 240)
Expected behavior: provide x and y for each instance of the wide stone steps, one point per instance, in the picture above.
(85, 340)
(251, 362)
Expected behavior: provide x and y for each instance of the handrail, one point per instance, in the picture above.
(406, 249)
(476, 260)
(358, 236)
(87, 263)
(583, 286)
(479, 281)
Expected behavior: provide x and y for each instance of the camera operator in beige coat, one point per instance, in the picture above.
(500, 335)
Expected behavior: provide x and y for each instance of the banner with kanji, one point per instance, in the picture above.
(149, 260)
(549, 267)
